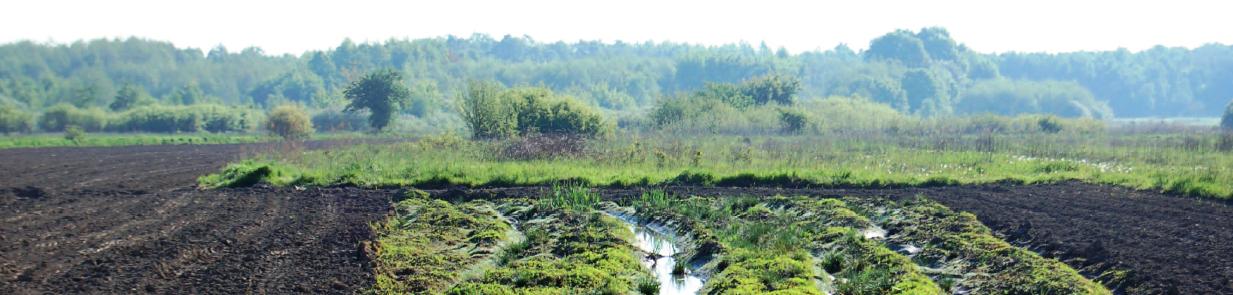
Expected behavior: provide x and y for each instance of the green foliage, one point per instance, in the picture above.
(290, 121)
(486, 112)
(938, 154)
(623, 76)
(1049, 124)
(381, 92)
(336, 120)
(792, 121)
(130, 96)
(491, 112)
(14, 120)
(193, 118)
(901, 46)
(925, 93)
(189, 94)
(60, 116)
(772, 88)
(74, 133)
(1012, 97)
(295, 86)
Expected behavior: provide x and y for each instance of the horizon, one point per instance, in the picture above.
(315, 27)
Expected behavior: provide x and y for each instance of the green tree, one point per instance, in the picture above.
(129, 96)
(290, 121)
(772, 88)
(13, 119)
(382, 93)
(189, 94)
(485, 112)
(923, 90)
(938, 44)
(901, 46)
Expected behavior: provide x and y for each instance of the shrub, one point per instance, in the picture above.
(13, 119)
(74, 133)
(290, 121)
(485, 112)
(192, 118)
(1013, 97)
(59, 116)
(336, 120)
(494, 113)
(1050, 124)
(792, 121)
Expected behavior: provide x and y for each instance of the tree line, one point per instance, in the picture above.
(923, 73)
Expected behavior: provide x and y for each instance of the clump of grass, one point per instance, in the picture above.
(648, 285)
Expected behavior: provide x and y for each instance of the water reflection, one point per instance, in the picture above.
(662, 245)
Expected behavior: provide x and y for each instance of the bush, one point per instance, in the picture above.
(337, 120)
(59, 116)
(1013, 97)
(1050, 124)
(494, 113)
(13, 119)
(192, 118)
(74, 133)
(290, 121)
(792, 121)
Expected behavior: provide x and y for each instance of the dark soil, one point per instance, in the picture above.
(1166, 244)
(129, 220)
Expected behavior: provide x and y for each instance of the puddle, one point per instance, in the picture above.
(653, 240)
(874, 233)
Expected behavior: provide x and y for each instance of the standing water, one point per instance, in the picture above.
(661, 245)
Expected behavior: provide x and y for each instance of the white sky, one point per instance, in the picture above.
(296, 26)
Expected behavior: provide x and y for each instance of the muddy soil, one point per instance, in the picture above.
(129, 220)
(1167, 244)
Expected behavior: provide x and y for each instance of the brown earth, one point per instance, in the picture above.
(129, 220)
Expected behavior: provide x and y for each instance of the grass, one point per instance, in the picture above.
(1190, 165)
(427, 245)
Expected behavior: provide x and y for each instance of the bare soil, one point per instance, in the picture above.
(129, 220)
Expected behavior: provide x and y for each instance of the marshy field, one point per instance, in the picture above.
(481, 165)
(1124, 212)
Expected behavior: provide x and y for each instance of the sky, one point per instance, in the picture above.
(280, 27)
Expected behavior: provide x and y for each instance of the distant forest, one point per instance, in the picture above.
(924, 73)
